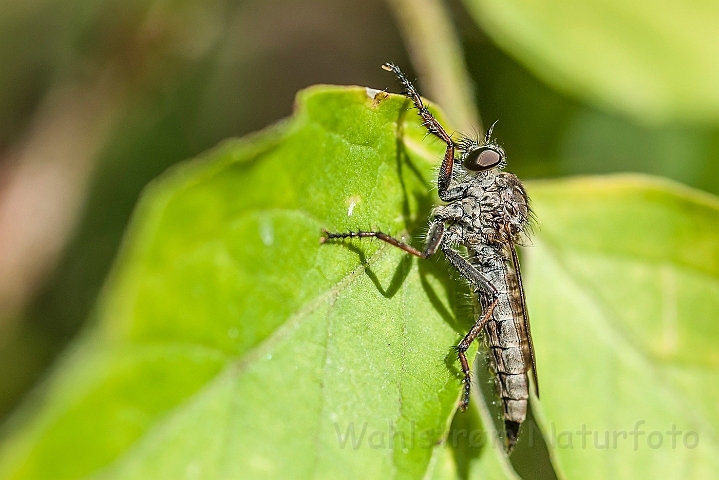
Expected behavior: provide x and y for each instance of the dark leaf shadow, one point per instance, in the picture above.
(398, 278)
(424, 200)
(467, 439)
(459, 316)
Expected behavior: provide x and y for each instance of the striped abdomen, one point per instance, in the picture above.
(507, 339)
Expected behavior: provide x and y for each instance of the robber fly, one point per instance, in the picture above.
(487, 212)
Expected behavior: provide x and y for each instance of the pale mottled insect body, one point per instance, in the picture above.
(486, 212)
(488, 221)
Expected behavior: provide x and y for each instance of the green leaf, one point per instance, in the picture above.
(230, 344)
(655, 61)
(623, 288)
(464, 455)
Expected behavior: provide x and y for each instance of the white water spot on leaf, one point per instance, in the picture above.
(233, 332)
(352, 203)
(267, 231)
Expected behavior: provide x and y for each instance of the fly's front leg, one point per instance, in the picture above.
(434, 239)
(434, 127)
(479, 281)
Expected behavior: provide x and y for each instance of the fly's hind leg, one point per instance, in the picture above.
(470, 272)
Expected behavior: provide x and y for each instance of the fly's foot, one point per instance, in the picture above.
(343, 235)
(461, 349)
(465, 396)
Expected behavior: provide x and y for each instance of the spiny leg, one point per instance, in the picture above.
(463, 346)
(471, 273)
(434, 238)
(433, 126)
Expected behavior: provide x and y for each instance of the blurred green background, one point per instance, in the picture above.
(99, 97)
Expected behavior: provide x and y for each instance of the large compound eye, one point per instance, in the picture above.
(482, 158)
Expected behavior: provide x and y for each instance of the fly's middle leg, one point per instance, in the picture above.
(434, 239)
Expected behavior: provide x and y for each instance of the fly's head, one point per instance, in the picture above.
(482, 158)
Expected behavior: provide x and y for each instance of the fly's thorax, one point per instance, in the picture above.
(491, 200)
(455, 234)
(501, 202)
(485, 209)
